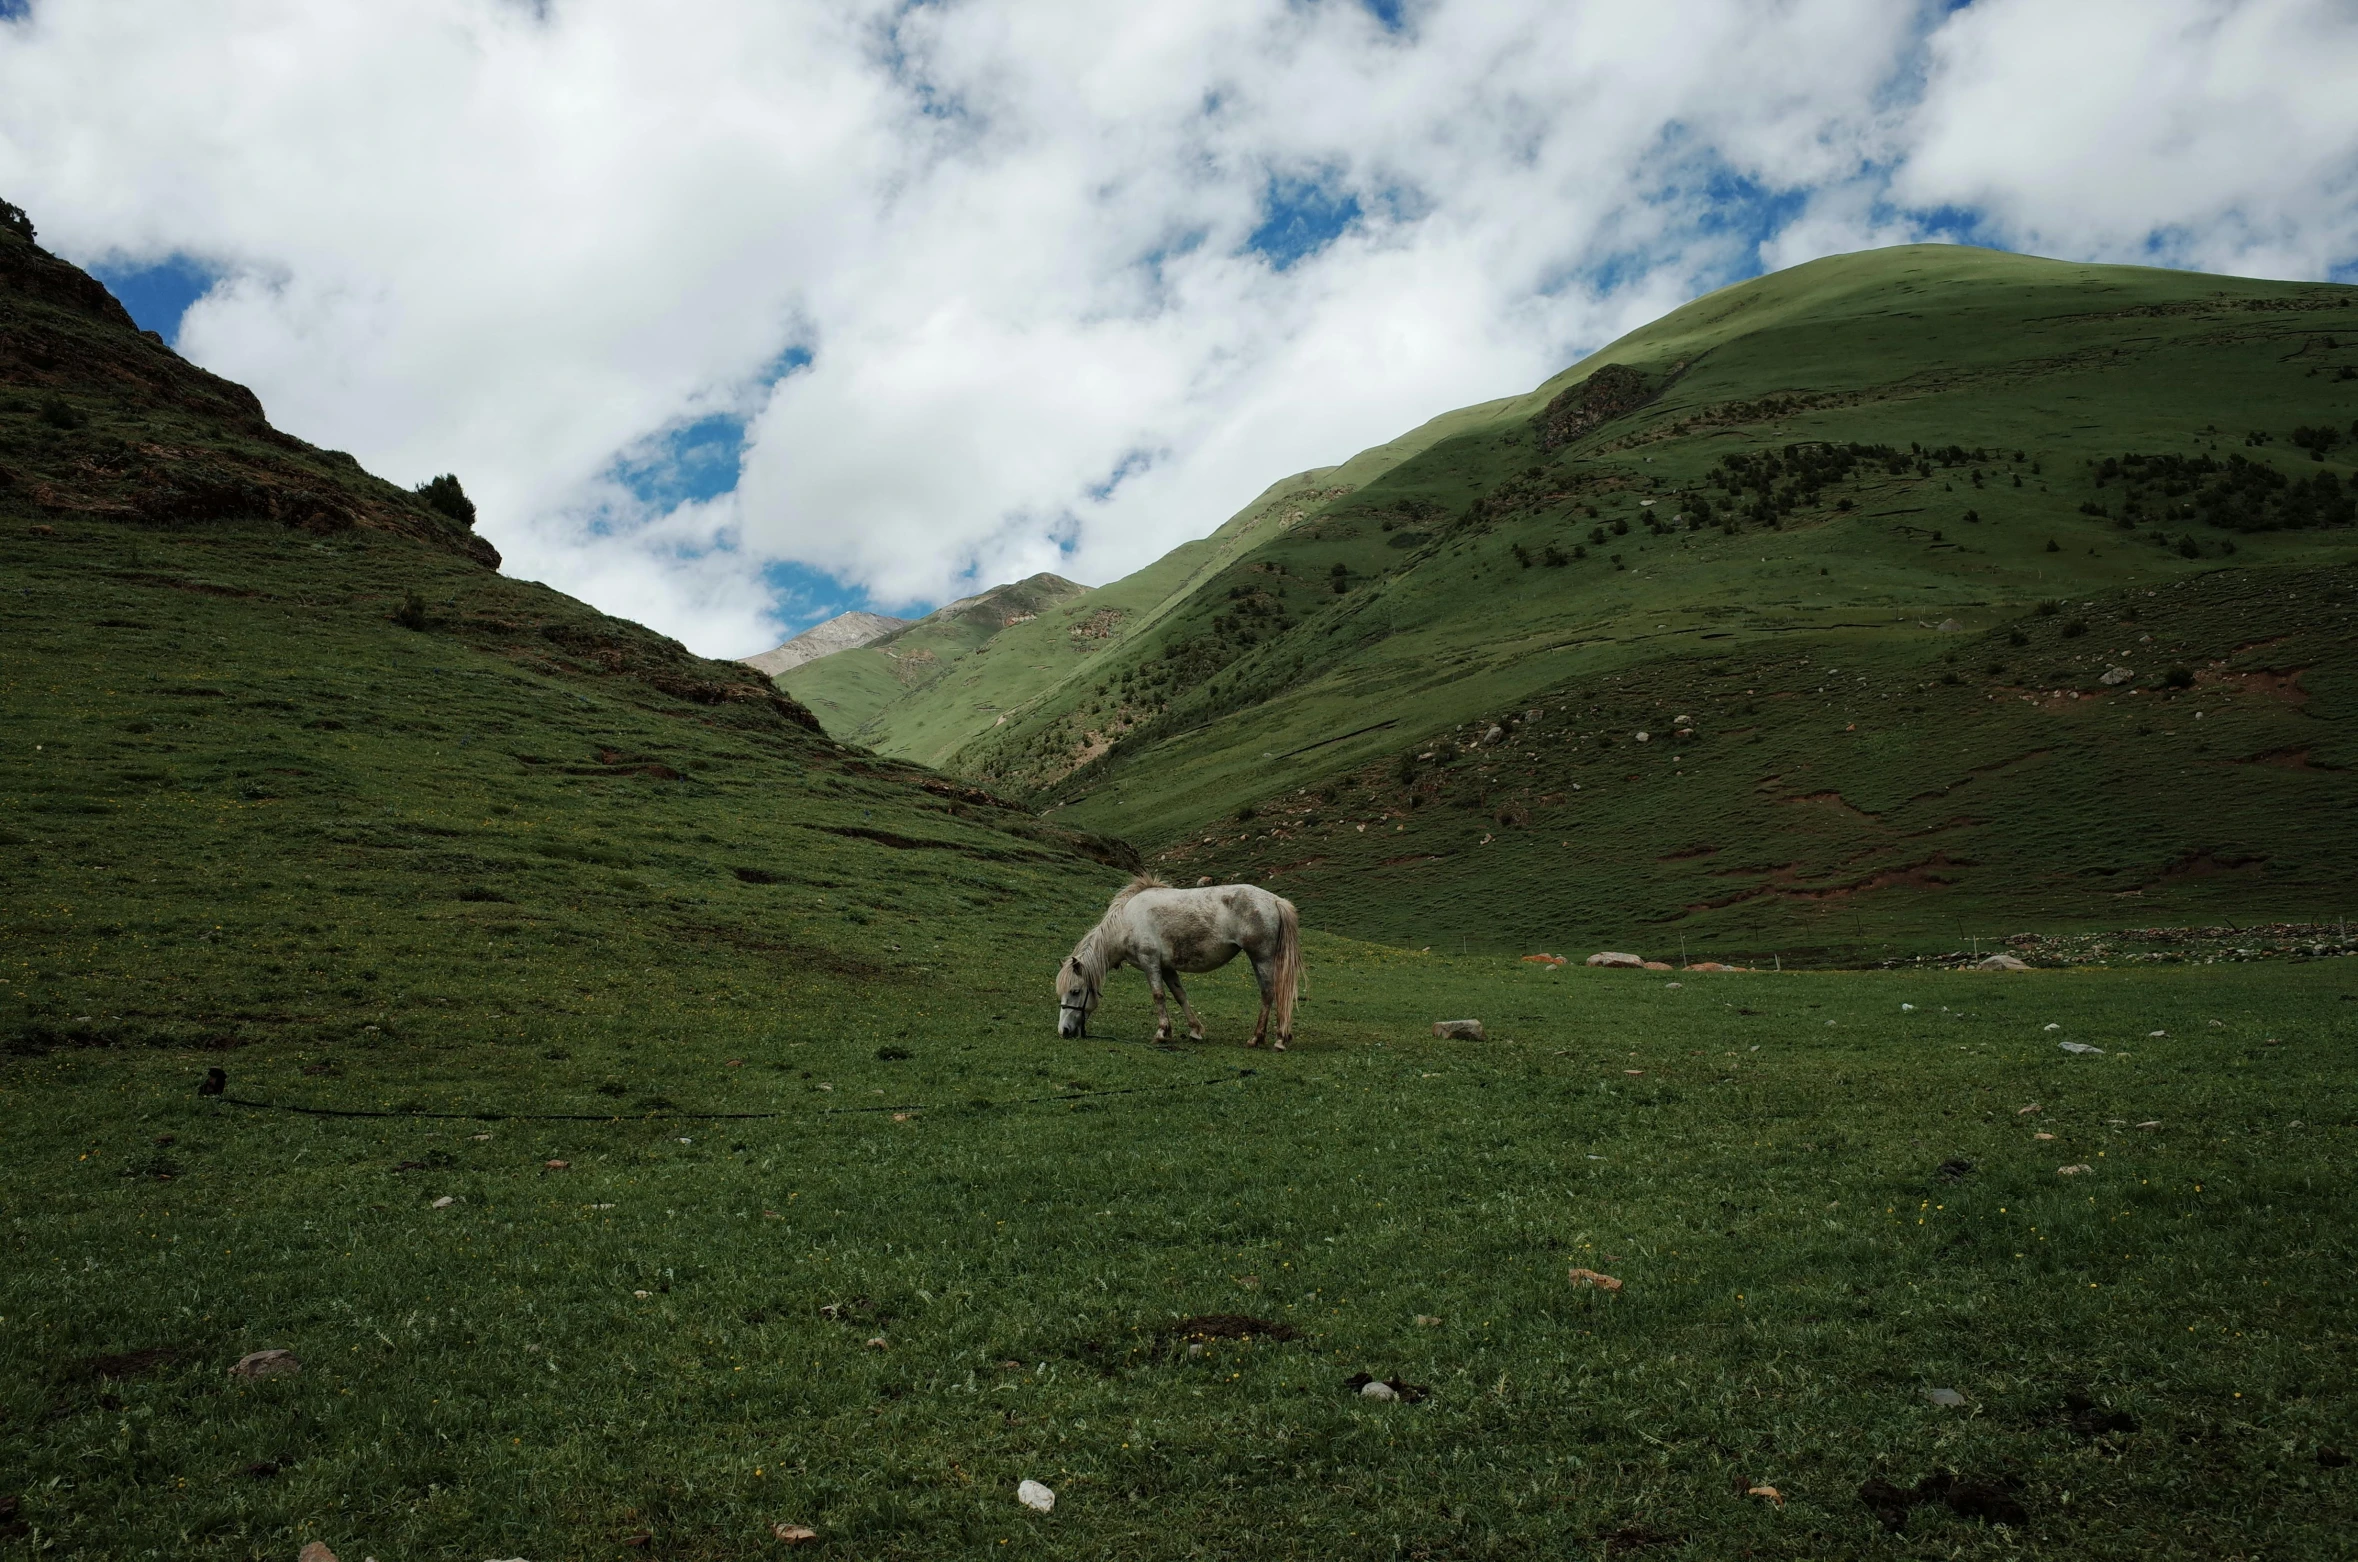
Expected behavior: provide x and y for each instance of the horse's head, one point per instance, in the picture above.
(1076, 995)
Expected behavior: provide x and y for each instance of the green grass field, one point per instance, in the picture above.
(643, 1118)
(669, 1342)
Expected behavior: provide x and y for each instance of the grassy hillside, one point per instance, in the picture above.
(848, 689)
(1878, 463)
(930, 711)
(289, 760)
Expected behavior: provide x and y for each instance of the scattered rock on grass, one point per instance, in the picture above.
(315, 1551)
(1656, 965)
(2073, 1171)
(2079, 1048)
(1616, 960)
(1946, 1398)
(1368, 1386)
(794, 1534)
(1459, 1030)
(2000, 963)
(1034, 1496)
(267, 1364)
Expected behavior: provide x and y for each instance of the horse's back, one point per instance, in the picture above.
(1224, 916)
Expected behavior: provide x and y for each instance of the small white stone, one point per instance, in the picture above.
(1378, 1390)
(1034, 1496)
(444, 1202)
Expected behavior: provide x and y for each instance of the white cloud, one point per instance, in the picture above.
(467, 235)
(2219, 134)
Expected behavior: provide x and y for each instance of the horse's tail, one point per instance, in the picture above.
(1292, 978)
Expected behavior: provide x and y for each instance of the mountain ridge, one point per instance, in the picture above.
(1853, 452)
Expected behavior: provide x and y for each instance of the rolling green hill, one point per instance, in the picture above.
(288, 760)
(1841, 491)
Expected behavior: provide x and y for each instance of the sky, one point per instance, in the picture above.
(734, 314)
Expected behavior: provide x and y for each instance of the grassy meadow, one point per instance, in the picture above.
(952, 1253)
(641, 1115)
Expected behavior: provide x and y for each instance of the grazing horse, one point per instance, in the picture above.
(1164, 931)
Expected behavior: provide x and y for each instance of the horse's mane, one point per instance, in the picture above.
(1143, 881)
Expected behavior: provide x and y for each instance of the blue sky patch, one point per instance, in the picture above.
(693, 462)
(803, 596)
(158, 295)
(1300, 217)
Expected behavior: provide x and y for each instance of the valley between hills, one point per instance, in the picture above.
(1895, 602)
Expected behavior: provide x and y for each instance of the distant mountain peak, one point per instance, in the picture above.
(843, 632)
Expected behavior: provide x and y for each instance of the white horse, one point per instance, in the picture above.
(1164, 931)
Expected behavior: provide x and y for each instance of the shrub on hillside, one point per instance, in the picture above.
(445, 497)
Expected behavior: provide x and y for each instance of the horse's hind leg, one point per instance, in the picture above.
(1264, 977)
(1195, 1024)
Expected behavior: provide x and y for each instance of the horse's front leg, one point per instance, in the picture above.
(1195, 1024)
(1162, 1015)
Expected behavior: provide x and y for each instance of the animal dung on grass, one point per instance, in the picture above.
(1034, 1496)
(1946, 1398)
(1590, 1280)
(1459, 1030)
(1614, 959)
(267, 1364)
(794, 1534)
(1992, 1502)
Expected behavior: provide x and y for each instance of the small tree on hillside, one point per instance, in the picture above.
(444, 496)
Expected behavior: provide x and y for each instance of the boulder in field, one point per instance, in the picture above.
(1657, 965)
(1709, 965)
(1459, 1030)
(1616, 960)
(1999, 963)
(2115, 677)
